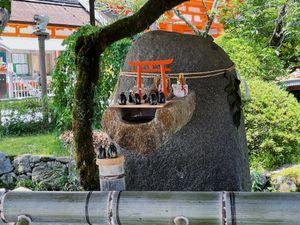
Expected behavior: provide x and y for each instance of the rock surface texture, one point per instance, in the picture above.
(49, 174)
(207, 154)
(5, 164)
(145, 138)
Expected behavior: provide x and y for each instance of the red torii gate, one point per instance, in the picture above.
(150, 68)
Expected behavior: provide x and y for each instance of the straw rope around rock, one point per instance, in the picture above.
(191, 75)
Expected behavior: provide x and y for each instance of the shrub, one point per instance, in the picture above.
(23, 117)
(64, 78)
(252, 61)
(273, 125)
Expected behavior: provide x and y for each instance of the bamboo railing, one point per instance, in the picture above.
(153, 208)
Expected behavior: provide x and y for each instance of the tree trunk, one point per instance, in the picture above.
(88, 50)
(278, 33)
(83, 112)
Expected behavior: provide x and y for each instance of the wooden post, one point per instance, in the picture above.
(163, 80)
(112, 173)
(139, 80)
(42, 37)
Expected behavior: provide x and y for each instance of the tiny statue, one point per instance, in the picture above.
(122, 99)
(145, 98)
(161, 97)
(130, 98)
(153, 98)
(109, 153)
(112, 151)
(101, 152)
(137, 99)
(181, 88)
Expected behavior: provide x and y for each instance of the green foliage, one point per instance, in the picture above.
(34, 186)
(273, 126)
(254, 21)
(256, 182)
(5, 4)
(252, 61)
(23, 117)
(64, 78)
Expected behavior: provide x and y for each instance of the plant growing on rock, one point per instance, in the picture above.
(64, 78)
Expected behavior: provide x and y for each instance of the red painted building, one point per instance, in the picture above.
(19, 47)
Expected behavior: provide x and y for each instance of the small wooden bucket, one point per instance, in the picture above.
(112, 174)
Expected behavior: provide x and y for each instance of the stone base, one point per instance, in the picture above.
(145, 138)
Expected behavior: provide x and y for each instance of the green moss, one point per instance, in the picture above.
(291, 172)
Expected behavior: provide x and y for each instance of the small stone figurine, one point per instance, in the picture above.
(101, 152)
(107, 153)
(145, 98)
(137, 99)
(112, 151)
(130, 98)
(122, 99)
(153, 98)
(161, 97)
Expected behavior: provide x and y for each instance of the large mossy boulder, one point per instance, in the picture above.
(208, 153)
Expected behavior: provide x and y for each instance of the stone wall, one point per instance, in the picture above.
(49, 173)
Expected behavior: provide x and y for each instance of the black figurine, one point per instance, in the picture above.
(112, 151)
(130, 98)
(153, 98)
(161, 97)
(137, 99)
(145, 98)
(122, 99)
(101, 152)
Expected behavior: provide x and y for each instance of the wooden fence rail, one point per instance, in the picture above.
(153, 208)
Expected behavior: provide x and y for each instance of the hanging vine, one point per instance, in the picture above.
(233, 97)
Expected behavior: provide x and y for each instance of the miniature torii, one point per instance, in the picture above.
(140, 65)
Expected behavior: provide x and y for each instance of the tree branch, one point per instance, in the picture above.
(205, 9)
(136, 23)
(278, 33)
(189, 23)
(211, 18)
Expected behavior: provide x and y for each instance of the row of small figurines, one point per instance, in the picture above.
(153, 98)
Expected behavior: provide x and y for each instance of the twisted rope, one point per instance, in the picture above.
(193, 75)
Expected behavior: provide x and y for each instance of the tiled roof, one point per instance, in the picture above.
(59, 12)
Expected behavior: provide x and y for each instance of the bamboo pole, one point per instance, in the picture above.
(263, 208)
(159, 208)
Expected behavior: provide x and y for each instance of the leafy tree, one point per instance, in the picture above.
(271, 27)
(273, 125)
(64, 78)
(252, 61)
